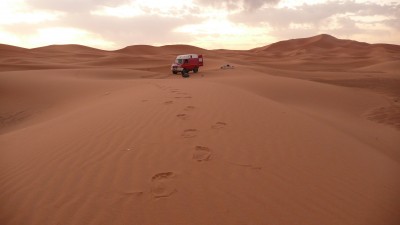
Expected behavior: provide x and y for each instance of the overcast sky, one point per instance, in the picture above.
(231, 24)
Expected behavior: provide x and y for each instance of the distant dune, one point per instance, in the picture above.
(9, 50)
(66, 49)
(152, 50)
(303, 131)
(322, 41)
(331, 50)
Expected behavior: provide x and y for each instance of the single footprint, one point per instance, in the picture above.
(162, 185)
(168, 102)
(218, 125)
(201, 153)
(250, 166)
(187, 97)
(182, 116)
(145, 100)
(189, 108)
(189, 133)
(178, 97)
(132, 193)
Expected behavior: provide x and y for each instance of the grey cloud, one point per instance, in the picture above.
(314, 13)
(280, 18)
(347, 28)
(255, 4)
(395, 23)
(234, 4)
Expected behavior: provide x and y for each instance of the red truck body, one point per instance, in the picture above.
(186, 63)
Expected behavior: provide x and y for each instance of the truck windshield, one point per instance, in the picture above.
(179, 61)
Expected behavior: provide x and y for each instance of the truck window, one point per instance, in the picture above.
(186, 61)
(179, 61)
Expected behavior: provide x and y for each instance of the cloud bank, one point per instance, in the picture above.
(234, 24)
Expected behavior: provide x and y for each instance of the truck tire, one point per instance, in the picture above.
(195, 70)
(185, 73)
(174, 72)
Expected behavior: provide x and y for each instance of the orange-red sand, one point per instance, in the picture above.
(303, 132)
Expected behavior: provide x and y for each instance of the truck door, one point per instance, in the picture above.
(200, 60)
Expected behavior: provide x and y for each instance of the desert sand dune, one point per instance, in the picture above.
(307, 136)
(391, 66)
(66, 49)
(322, 41)
(331, 53)
(167, 49)
(6, 50)
(140, 50)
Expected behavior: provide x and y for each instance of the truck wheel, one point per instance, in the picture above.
(184, 71)
(195, 70)
(174, 72)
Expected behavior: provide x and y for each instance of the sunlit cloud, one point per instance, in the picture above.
(293, 4)
(236, 24)
(17, 12)
(373, 26)
(68, 35)
(221, 27)
(9, 38)
(165, 8)
(28, 17)
(371, 19)
(225, 34)
(303, 26)
(57, 35)
(123, 11)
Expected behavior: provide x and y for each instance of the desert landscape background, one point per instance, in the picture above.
(302, 131)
